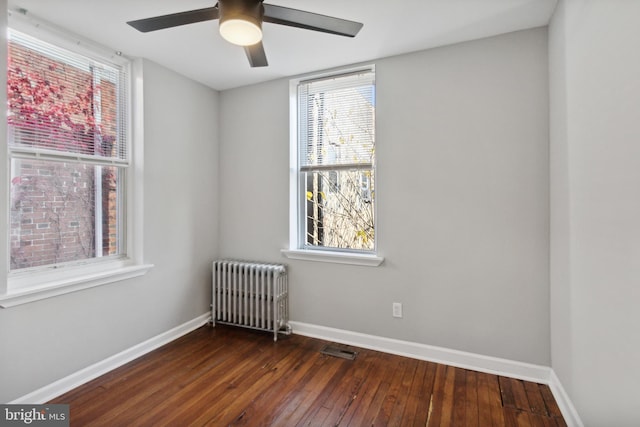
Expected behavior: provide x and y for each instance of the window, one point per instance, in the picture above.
(69, 153)
(67, 139)
(333, 167)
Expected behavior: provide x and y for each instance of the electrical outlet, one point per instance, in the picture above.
(397, 309)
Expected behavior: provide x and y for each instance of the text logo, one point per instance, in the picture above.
(34, 415)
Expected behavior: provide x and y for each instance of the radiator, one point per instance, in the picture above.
(251, 294)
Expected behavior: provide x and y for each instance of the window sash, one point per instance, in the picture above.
(65, 214)
(46, 129)
(323, 106)
(338, 210)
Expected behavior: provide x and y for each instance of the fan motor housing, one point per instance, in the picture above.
(247, 10)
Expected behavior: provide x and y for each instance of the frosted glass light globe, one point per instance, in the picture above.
(240, 32)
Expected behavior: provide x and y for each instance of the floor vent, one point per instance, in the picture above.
(330, 350)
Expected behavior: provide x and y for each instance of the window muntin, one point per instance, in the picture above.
(336, 162)
(68, 150)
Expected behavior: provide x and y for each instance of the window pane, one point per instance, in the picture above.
(339, 209)
(63, 212)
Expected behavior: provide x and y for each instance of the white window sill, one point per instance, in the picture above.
(26, 288)
(333, 257)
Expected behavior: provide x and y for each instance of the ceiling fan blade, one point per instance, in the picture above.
(175, 19)
(255, 55)
(310, 21)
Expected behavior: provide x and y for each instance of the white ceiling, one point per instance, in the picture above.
(197, 50)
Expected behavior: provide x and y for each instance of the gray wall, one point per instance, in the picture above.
(595, 207)
(463, 200)
(44, 341)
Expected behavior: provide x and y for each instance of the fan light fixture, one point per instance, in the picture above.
(241, 21)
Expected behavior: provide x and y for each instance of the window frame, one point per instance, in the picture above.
(297, 248)
(33, 284)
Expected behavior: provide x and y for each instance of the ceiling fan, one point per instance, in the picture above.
(241, 23)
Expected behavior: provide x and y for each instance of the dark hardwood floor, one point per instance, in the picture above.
(227, 376)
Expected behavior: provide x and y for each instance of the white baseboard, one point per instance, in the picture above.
(87, 374)
(461, 359)
(569, 412)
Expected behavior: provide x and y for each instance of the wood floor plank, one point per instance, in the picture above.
(506, 392)
(484, 401)
(321, 406)
(418, 395)
(392, 410)
(313, 388)
(536, 401)
(449, 396)
(441, 411)
(516, 418)
(344, 396)
(472, 412)
(437, 397)
(375, 377)
(228, 376)
(458, 414)
(519, 394)
(550, 403)
(542, 421)
(426, 390)
(379, 397)
(300, 395)
(496, 401)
